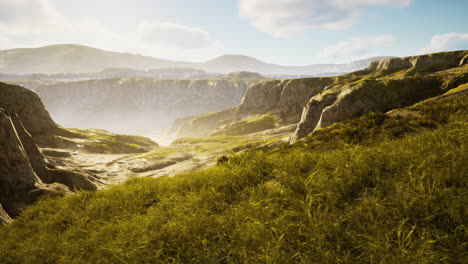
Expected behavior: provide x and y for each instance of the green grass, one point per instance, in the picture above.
(249, 126)
(101, 141)
(158, 153)
(217, 145)
(377, 189)
(458, 89)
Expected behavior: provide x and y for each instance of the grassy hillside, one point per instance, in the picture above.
(72, 58)
(378, 189)
(248, 126)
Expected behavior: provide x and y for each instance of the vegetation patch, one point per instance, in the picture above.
(249, 126)
(101, 141)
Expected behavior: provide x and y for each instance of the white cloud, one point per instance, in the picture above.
(357, 48)
(284, 18)
(34, 23)
(172, 35)
(446, 42)
(6, 43)
(24, 16)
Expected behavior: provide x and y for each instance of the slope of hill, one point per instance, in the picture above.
(383, 188)
(72, 58)
(231, 63)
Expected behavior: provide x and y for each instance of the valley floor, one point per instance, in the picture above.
(183, 155)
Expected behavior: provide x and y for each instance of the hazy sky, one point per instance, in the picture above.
(288, 32)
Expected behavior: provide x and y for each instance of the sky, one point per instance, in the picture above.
(286, 32)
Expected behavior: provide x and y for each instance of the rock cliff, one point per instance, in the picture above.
(318, 102)
(385, 85)
(282, 98)
(27, 104)
(17, 177)
(4, 217)
(140, 105)
(25, 172)
(419, 64)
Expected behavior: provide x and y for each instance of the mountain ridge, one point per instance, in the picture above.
(75, 58)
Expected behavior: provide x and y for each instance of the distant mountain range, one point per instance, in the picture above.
(72, 58)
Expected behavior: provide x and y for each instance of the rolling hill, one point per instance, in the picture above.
(72, 58)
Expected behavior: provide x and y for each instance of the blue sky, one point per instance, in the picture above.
(288, 32)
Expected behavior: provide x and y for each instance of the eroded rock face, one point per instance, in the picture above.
(45, 171)
(283, 98)
(140, 106)
(4, 217)
(368, 96)
(25, 173)
(29, 108)
(311, 115)
(17, 177)
(425, 63)
(378, 96)
(422, 79)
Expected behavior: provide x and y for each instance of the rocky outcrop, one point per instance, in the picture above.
(286, 98)
(17, 177)
(419, 64)
(433, 74)
(28, 106)
(45, 171)
(354, 100)
(4, 217)
(311, 115)
(282, 98)
(24, 172)
(319, 102)
(373, 96)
